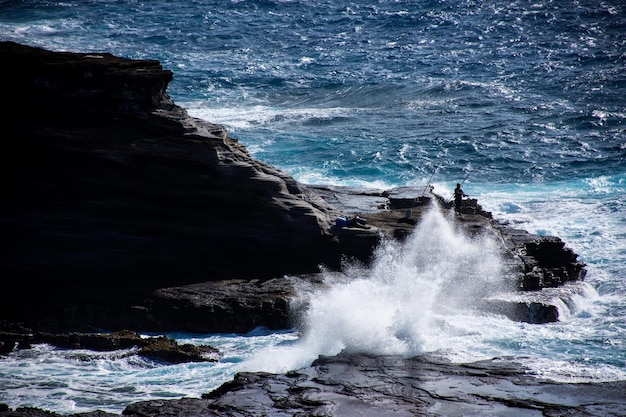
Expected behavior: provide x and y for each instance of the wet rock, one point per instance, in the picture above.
(242, 305)
(353, 384)
(121, 211)
(543, 306)
(36, 412)
(164, 349)
(546, 261)
(100, 342)
(160, 348)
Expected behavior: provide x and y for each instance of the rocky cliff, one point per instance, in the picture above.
(111, 191)
(119, 210)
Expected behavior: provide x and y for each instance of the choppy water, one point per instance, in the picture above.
(527, 98)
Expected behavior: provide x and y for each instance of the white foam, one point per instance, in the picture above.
(257, 115)
(415, 298)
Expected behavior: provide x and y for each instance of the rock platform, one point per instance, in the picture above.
(359, 385)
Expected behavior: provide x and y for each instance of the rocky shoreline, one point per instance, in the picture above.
(123, 212)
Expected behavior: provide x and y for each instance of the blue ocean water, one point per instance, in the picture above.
(522, 101)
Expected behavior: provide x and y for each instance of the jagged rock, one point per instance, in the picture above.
(545, 260)
(242, 305)
(225, 306)
(168, 350)
(121, 211)
(353, 384)
(36, 412)
(100, 342)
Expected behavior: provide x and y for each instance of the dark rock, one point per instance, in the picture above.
(111, 191)
(242, 305)
(225, 306)
(36, 412)
(168, 350)
(94, 341)
(537, 307)
(352, 384)
(545, 260)
(116, 200)
(159, 348)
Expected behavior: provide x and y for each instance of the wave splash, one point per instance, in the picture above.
(412, 300)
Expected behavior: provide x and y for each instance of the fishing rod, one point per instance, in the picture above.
(466, 177)
(430, 179)
(461, 184)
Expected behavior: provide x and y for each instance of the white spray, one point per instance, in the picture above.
(408, 302)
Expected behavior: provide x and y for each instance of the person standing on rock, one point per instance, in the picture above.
(458, 198)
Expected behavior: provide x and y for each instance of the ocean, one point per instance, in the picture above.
(523, 102)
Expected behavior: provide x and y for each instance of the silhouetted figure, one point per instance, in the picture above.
(458, 198)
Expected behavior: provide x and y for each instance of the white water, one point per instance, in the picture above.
(423, 296)
(418, 297)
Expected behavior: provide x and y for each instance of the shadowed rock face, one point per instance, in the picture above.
(110, 191)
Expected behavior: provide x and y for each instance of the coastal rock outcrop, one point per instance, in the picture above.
(160, 348)
(111, 191)
(356, 384)
(116, 203)
(242, 305)
(120, 211)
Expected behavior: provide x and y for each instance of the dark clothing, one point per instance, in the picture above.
(458, 198)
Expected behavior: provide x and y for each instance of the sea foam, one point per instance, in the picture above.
(415, 298)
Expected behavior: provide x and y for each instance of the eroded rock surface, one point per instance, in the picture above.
(353, 384)
(159, 348)
(361, 385)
